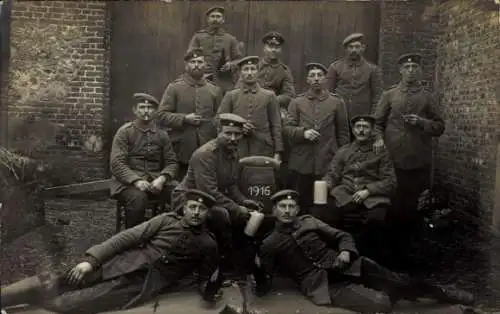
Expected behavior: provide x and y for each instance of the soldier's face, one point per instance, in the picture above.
(229, 136)
(315, 78)
(195, 213)
(248, 73)
(144, 111)
(410, 71)
(196, 66)
(285, 210)
(362, 130)
(272, 52)
(355, 49)
(215, 19)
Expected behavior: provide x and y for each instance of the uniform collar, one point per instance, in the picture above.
(186, 226)
(413, 88)
(289, 227)
(264, 61)
(219, 31)
(192, 82)
(151, 127)
(250, 88)
(357, 63)
(366, 146)
(321, 96)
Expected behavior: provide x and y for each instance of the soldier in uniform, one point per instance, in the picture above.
(214, 169)
(407, 121)
(356, 80)
(316, 127)
(188, 108)
(325, 263)
(142, 161)
(221, 49)
(131, 267)
(361, 184)
(259, 107)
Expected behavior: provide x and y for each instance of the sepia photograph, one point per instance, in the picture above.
(249, 156)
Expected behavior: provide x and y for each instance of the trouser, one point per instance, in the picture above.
(367, 226)
(136, 202)
(52, 292)
(304, 185)
(403, 219)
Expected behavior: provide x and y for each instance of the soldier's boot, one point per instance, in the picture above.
(26, 291)
(449, 294)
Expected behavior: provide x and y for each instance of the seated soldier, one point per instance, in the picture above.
(325, 263)
(214, 169)
(361, 183)
(131, 267)
(142, 161)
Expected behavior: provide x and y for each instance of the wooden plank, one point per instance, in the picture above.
(77, 188)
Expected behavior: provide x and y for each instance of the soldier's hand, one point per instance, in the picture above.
(252, 205)
(157, 185)
(360, 196)
(311, 134)
(228, 66)
(77, 273)
(277, 157)
(142, 185)
(248, 126)
(378, 145)
(245, 212)
(193, 119)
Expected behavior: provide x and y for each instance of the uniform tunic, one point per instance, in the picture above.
(140, 154)
(410, 146)
(324, 113)
(355, 167)
(359, 83)
(182, 97)
(219, 47)
(156, 253)
(258, 106)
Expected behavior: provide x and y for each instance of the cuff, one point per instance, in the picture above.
(92, 260)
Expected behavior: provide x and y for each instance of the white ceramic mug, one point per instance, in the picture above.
(320, 192)
(253, 223)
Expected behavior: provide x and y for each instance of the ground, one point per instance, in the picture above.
(74, 225)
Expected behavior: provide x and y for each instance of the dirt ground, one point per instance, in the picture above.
(75, 225)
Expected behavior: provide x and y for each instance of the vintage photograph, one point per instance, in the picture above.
(250, 156)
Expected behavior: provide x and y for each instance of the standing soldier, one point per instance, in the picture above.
(221, 49)
(188, 107)
(260, 108)
(142, 161)
(316, 126)
(407, 120)
(356, 80)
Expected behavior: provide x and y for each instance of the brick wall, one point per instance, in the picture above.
(467, 72)
(407, 26)
(83, 110)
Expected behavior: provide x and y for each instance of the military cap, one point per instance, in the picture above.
(285, 194)
(316, 66)
(273, 38)
(367, 118)
(193, 53)
(145, 98)
(215, 9)
(259, 161)
(352, 37)
(200, 197)
(248, 60)
(410, 57)
(231, 119)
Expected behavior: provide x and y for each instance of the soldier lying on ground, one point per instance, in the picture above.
(142, 161)
(130, 267)
(324, 262)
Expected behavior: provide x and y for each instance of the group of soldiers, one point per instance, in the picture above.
(372, 147)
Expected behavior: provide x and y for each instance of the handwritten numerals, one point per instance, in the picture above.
(259, 190)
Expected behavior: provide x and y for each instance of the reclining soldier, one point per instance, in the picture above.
(326, 265)
(131, 267)
(142, 161)
(214, 169)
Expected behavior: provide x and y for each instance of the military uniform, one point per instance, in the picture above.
(219, 47)
(128, 269)
(308, 161)
(359, 82)
(258, 106)
(307, 250)
(182, 97)
(139, 154)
